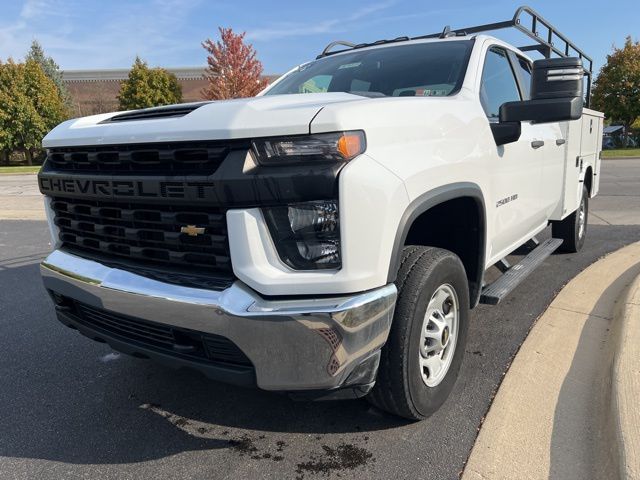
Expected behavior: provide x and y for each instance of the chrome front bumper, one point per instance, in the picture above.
(293, 344)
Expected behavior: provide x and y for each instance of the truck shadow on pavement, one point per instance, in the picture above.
(125, 410)
(72, 400)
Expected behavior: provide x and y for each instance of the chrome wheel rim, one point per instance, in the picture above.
(581, 219)
(439, 335)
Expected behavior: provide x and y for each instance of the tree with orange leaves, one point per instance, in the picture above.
(233, 70)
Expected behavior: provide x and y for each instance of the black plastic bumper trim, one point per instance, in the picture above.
(352, 392)
(244, 377)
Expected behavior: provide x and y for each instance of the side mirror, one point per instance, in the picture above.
(556, 93)
(506, 132)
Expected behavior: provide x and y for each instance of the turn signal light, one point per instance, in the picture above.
(351, 144)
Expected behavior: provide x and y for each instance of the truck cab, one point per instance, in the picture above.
(327, 238)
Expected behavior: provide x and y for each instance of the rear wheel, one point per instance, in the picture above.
(573, 229)
(422, 357)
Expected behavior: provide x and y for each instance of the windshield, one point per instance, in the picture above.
(419, 69)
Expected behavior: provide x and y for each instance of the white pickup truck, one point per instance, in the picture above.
(327, 238)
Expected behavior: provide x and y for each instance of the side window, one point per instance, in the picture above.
(498, 84)
(524, 68)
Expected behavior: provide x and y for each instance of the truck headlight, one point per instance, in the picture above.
(321, 147)
(306, 235)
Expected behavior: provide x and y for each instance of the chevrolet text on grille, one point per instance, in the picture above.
(127, 188)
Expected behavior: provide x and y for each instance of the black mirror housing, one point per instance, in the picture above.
(557, 78)
(556, 93)
(506, 132)
(542, 111)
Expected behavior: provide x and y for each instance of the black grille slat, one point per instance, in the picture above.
(148, 233)
(128, 218)
(146, 237)
(223, 349)
(100, 321)
(206, 347)
(125, 329)
(159, 330)
(146, 253)
(111, 234)
(196, 158)
(115, 211)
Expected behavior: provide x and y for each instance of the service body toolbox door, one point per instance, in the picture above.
(582, 147)
(591, 145)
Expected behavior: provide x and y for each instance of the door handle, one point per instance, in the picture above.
(561, 141)
(537, 143)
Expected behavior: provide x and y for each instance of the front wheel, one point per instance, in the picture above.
(421, 359)
(573, 229)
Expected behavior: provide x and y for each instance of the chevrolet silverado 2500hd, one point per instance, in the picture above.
(327, 238)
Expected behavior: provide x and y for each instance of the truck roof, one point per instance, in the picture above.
(548, 39)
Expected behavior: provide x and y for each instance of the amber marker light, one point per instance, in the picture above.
(351, 144)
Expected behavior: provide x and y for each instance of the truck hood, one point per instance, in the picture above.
(220, 120)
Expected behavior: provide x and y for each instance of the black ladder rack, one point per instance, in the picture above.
(525, 20)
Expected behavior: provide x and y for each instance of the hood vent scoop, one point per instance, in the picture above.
(155, 113)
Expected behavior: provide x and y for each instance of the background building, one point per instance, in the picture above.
(95, 91)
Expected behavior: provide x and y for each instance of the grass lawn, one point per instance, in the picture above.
(34, 169)
(621, 153)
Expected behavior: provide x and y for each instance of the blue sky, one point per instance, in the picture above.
(109, 33)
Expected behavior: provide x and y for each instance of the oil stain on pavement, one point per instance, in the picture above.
(329, 459)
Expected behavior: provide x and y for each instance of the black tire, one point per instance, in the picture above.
(399, 387)
(569, 228)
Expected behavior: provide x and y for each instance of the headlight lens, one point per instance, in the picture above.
(322, 147)
(306, 235)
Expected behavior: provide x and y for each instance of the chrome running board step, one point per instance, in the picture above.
(513, 275)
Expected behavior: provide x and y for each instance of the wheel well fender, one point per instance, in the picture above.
(588, 179)
(426, 203)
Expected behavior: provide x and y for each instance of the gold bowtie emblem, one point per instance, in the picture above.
(192, 230)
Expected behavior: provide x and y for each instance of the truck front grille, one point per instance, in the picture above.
(151, 235)
(202, 158)
(176, 341)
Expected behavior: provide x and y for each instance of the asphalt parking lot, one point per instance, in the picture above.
(71, 408)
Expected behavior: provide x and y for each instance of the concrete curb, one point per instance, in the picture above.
(552, 416)
(625, 394)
